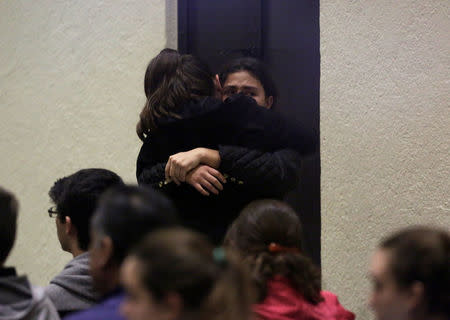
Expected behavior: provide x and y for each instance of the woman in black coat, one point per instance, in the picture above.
(197, 142)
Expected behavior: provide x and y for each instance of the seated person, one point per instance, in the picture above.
(268, 236)
(410, 272)
(75, 199)
(19, 300)
(177, 274)
(124, 215)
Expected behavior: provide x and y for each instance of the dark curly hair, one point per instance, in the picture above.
(264, 222)
(172, 80)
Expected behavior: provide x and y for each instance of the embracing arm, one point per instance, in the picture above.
(153, 175)
(149, 170)
(268, 173)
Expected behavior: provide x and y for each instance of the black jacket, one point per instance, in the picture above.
(259, 151)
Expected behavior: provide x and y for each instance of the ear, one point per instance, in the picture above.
(69, 228)
(217, 87)
(416, 294)
(217, 82)
(269, 102)
(105, 251)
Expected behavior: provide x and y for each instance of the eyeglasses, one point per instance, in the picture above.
(52, 213)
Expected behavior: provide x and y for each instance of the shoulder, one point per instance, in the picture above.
(331, 302)
(43, 307)
(106, 310)
(330, 297)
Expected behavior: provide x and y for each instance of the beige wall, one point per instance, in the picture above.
(71, 88)
(385, 130)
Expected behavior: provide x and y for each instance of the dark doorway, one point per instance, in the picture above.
(285, 35)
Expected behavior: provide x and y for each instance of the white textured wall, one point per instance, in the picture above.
(385, 130)
(71, 88)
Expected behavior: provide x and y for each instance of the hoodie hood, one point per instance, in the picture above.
(19, 300)
(72, 289)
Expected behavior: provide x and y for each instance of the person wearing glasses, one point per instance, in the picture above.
(124, 216)
(19, 300)
(75, 198)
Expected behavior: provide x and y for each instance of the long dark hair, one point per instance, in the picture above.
(262, 223)
(256, 68)
(211, 284)
(171, 80)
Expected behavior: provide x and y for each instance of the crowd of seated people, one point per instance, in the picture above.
(206, 235)
(142, 264)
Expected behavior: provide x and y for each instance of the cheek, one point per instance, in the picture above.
(260, 100)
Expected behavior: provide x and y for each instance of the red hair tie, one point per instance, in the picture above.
(276, 248)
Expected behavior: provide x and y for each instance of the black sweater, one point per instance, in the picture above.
(259, 150)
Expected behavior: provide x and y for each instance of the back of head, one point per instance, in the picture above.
(125, 214)
(8, 223)
(268, 234)
(422, 254)
(256, 68)
(76, 196)
(210, 283)
(171, 81)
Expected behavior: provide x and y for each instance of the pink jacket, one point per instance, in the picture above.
(283, 302)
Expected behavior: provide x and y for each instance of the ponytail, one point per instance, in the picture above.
(268, 236)
(303, 275)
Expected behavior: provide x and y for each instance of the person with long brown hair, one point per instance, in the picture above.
(181, 116)
(178, 274)
(268, 237)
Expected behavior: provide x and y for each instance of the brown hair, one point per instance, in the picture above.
(211, 284)
(422, 254)
(264, 222)
(172, 80)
